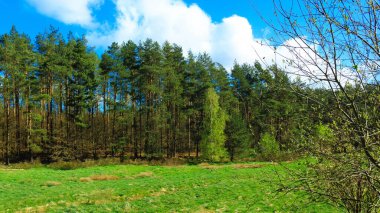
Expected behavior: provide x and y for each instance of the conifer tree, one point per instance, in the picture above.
(130, 61)
(16, 61)
(172, 73)
(151, 57)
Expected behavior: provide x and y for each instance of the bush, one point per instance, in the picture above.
(36, 149)
(269, 147)
(62, 165)
(324, 138)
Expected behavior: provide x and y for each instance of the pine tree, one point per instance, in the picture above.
(16, 62)
(189, 95)
(150, 71)
(50, 66)
(82, 86)
(239, 139)
(130, 61)
(173, 68)
(145, 100)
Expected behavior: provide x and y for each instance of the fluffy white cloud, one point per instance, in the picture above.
(170, 20)
(164, 20)
(186, 25)
(305, 60)
(68, 11)
(190, 27)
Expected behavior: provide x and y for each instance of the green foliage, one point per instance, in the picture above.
(324, 135)
(239, 139)
(323, 140)
(36, 117)
(343, 110)
(36, 149)
(38, 133)
(324, 132)
(81, 124)
(213, 137)
(269, 147)
(143, 98)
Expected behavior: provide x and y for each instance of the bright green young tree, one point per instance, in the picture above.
(214, 123)
(269, 147)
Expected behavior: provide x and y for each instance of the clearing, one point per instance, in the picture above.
(249, 187)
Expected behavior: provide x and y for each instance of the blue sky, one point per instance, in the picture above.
(29, 20)
(227, 30)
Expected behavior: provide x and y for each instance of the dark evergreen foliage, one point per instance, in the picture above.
(59, 101)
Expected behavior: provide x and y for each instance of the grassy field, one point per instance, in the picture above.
(138, 188)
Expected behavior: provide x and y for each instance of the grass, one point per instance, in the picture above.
(247, 187)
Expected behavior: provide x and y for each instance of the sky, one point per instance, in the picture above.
(227, 30)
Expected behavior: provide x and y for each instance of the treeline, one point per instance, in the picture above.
(60, 101)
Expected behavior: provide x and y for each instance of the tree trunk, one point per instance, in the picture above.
(105, 135)
(50, 112)
(140, 134)
(28, 124)
(18, 121)
(133, 130)
(189, 136)
(113, 138)
(6, 112)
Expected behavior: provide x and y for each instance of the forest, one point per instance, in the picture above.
(61, 102)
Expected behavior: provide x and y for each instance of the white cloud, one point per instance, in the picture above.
(68, 11)
(233, 39)
(186, 25)
(190, 27)
(162, 20)
(304, 59)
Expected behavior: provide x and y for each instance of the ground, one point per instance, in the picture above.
(248, 187)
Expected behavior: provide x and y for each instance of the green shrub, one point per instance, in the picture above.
(269, 147)
(324, 138)
(36, 149)
(62, 165)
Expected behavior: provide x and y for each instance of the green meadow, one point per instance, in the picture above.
(248, 187)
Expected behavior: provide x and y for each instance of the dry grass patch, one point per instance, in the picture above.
(209, 166)
(204, 210)
(144, 174)
(39, 209)
(247, 166)
(6, 169)
(159, 193)
(52, 183)
(85, 179)
(99, 178)
(136, 197)
(104, 177)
